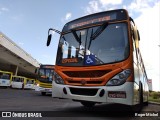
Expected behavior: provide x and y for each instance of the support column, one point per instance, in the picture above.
(14, 69)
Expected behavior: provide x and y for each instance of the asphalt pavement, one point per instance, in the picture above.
(29, 103)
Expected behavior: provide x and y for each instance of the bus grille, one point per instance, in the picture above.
(45, 85)
(87, 82)
(84, 91)
(86, 74)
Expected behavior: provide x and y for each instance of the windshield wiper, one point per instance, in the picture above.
(97, 33)
(78, 39)
(99, 60)
(64, 38)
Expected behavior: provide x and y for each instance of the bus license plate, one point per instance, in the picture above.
(46, 90)
(117, 94)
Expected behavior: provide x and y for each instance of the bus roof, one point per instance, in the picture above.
(18, 76)
(6, 72)
(47, 66)
(30, 78)
(97, 18)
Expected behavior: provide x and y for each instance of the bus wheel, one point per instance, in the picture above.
(140, 97)
(22, 86)
(43, 93)
(87, 104)
(145, 103)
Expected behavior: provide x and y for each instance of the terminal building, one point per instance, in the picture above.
(14, 59)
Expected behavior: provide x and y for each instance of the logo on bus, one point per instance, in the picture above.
(83, 82)
(72, 60)
(89, 59)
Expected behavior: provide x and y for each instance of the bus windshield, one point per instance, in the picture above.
(17, 79)
(45, 75)
(94, 46)
(5, 76)
(29, 81)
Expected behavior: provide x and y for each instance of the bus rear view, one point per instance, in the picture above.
(95, 61)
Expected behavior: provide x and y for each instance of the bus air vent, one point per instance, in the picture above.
(84, 91)
(86, 74)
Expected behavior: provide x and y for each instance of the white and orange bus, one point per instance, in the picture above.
(99, 60)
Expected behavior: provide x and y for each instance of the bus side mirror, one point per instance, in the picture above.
(137, 44)
(49, 39)
(136, 36)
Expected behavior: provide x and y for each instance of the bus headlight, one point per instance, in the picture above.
(36, 84)
(120, 78)
(58, 79)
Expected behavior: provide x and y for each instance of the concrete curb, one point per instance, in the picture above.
(155, 103)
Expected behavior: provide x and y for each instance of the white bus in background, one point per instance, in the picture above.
(5, 78)
(18, 82)
(29, 83)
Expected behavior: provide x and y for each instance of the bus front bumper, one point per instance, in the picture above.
(5, 83)
(28, 86)
(41, 89)
(122, 94)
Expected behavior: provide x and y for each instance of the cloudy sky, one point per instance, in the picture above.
(26, 22)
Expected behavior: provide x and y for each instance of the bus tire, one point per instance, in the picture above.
(145, 103)
(22, 86)
(88, 104)
(140, 105)
(43, 93)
